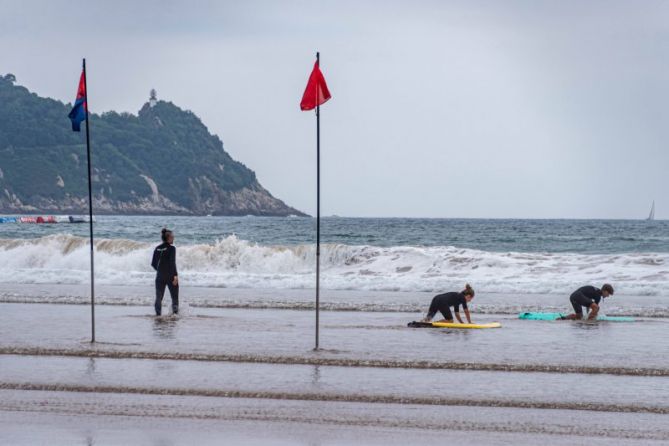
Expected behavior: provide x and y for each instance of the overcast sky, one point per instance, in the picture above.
(440, 108)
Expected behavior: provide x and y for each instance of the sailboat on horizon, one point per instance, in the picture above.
(651, 216)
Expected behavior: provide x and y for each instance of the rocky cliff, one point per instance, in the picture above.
(161, 161)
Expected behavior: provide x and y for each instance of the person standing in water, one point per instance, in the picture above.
(443, 303)
(165, 263)
(588, 297)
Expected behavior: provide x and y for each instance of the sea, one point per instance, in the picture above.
(370, 254)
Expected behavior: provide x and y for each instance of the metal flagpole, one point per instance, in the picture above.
(90, 205)
(318, 207)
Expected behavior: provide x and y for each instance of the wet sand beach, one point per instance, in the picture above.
(239, 373)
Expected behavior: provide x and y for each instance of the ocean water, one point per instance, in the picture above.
(382, 255)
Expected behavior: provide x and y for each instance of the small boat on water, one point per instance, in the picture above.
(651, 216)
(72, 219)
(48, 219)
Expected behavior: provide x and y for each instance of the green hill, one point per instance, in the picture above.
(161, 161)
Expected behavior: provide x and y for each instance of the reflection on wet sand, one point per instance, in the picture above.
(165, 327)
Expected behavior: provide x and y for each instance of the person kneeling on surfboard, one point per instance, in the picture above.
(443, 302)
(588, 297)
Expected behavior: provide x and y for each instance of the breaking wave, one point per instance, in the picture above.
(389, 306)
(622, 370)
(236, 263)
(334, 397)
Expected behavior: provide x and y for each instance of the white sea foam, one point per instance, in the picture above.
(235, 263)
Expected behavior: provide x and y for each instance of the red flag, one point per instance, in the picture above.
(317, 92)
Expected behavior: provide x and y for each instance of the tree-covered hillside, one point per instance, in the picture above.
(163, 160)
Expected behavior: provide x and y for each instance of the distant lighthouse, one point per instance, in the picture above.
(153, 97)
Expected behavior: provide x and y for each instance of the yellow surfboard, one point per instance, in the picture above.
(457, 325)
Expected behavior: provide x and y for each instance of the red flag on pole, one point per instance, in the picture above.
(317, 92)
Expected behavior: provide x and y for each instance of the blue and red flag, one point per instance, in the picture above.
(79, 111)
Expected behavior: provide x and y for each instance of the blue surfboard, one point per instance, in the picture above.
(535, 316)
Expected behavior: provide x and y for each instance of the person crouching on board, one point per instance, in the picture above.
(588, 297)
(443, 303)
(165, 263)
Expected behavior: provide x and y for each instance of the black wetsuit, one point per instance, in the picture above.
(584, 297)
(443, 302)
(165, 263)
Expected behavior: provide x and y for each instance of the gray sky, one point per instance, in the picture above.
(440, 108)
